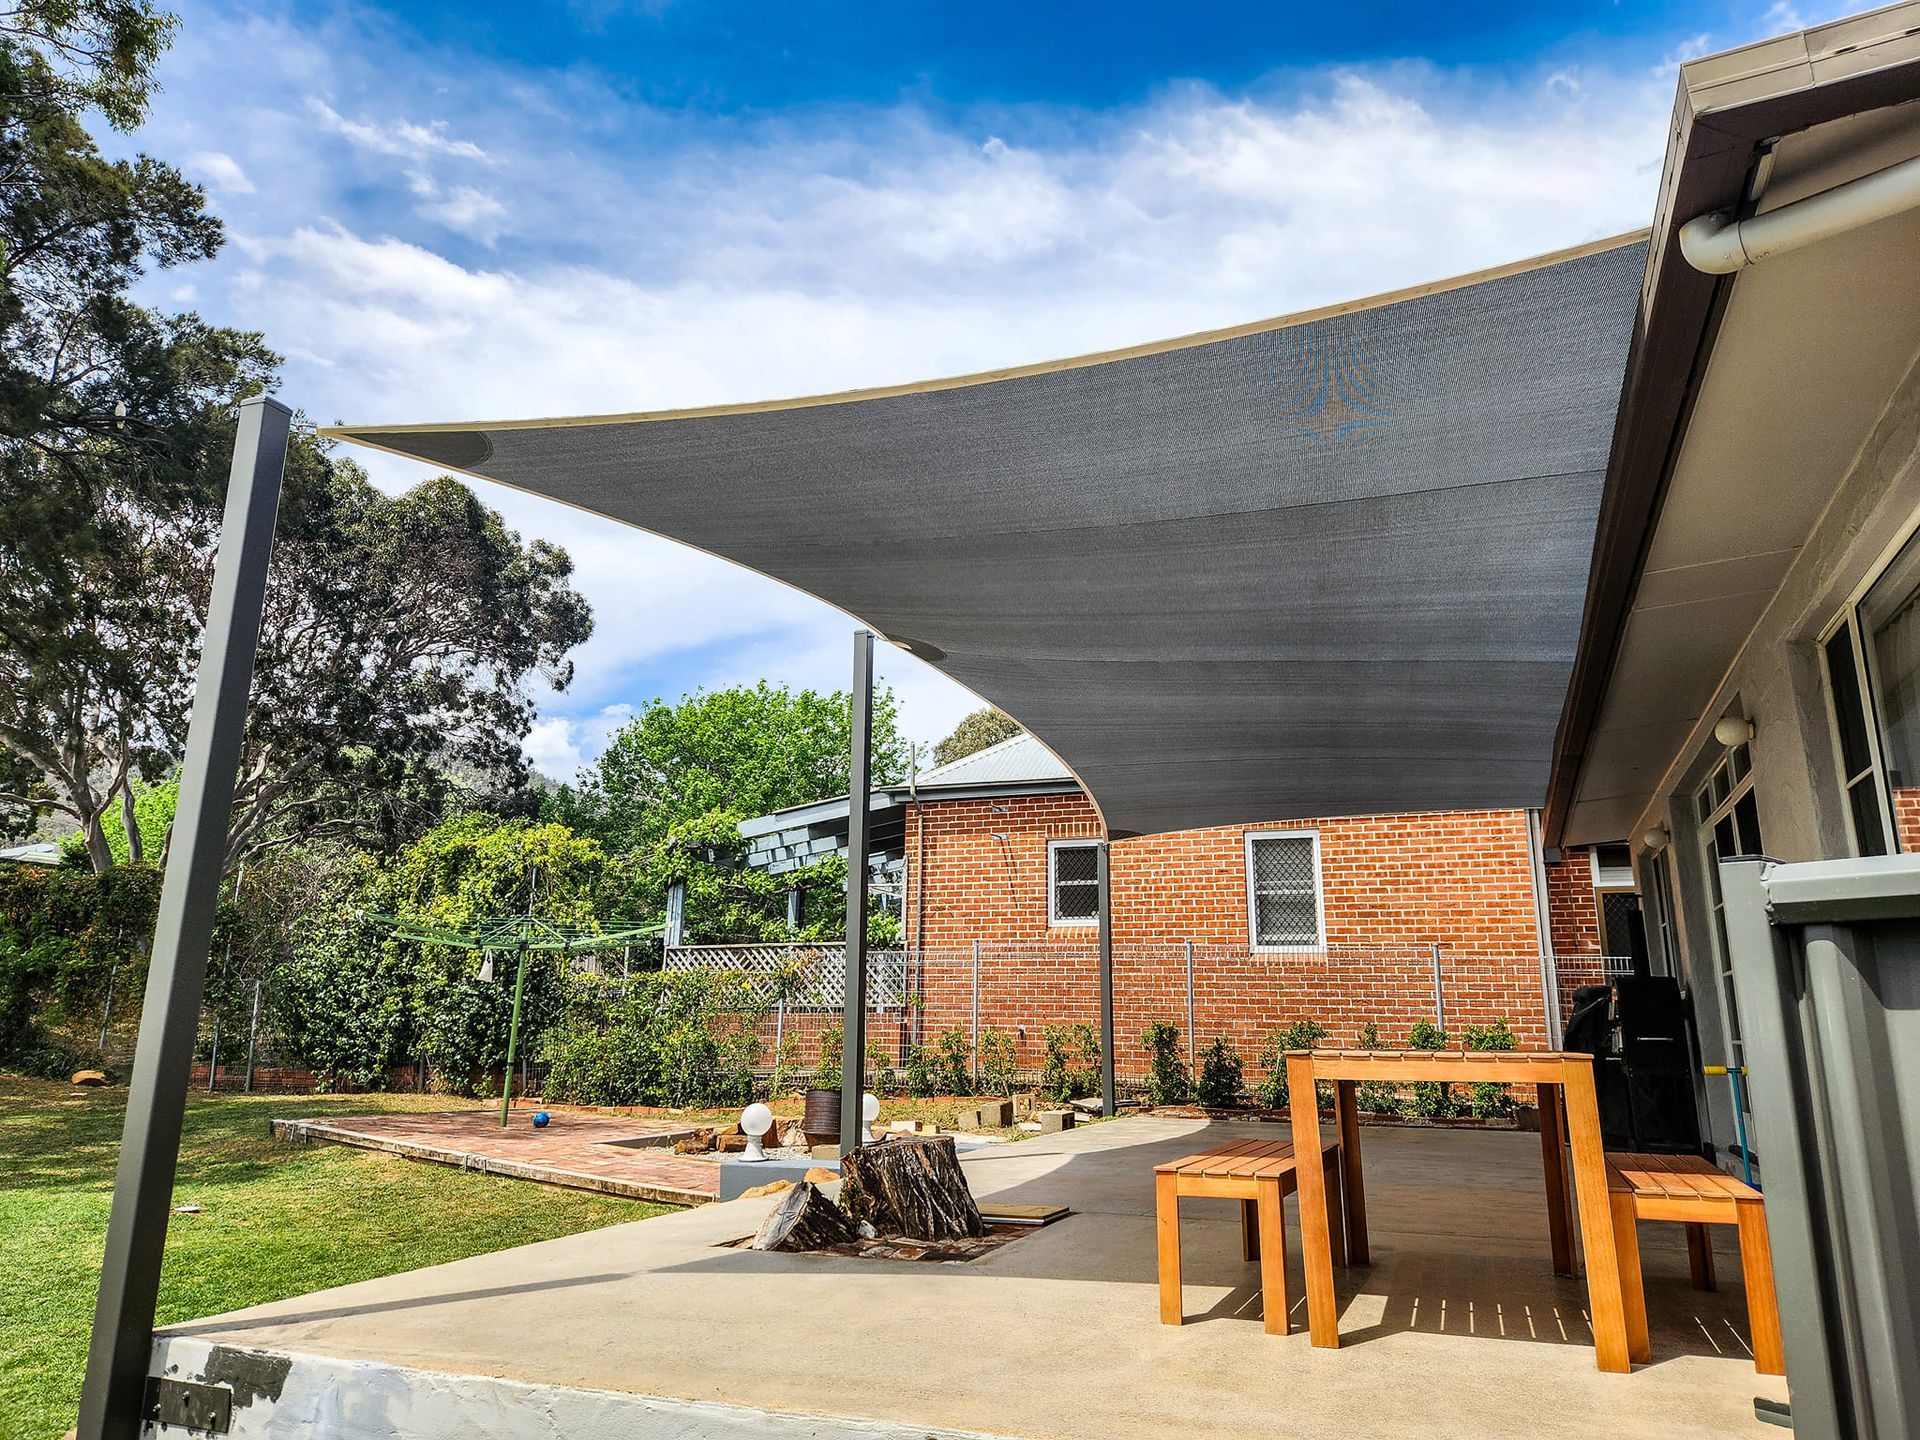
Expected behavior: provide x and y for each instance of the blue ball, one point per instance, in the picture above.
(540, 1119)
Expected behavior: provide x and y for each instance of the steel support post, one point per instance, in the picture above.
(1105, 872)
(112, 1397)
(859, 801)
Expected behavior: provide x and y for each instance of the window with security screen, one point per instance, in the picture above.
(1283, 890)
(1073, 882)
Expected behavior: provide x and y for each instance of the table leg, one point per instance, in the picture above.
(1273, 1259)
(1166, 1197)
(1337, 1242)
(1606, 1305)
(1700, 1258)
(1553, 1157)
(1626, 1235)
(1249, 1230)
(1346, 1109)
(1316, 1254)
(1763, 1306)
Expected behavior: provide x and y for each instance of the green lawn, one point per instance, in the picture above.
(278, 1220)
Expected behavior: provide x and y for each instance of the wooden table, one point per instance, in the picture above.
(1565, 1083)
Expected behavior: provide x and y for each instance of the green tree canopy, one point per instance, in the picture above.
(745, 751)
(977, 731)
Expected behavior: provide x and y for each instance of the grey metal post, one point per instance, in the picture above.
(1192, 1052)
(1104, 871)
(859, 799)
(1439, 995)
(112, 1397)
(253, 1034)
(1768, 1023)
(974, 1023)
(676, 931)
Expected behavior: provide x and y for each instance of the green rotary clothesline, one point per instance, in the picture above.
(523, 934)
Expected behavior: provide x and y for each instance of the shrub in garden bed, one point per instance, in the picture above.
(1222, 1076)
(1432, 1099)
(1168, 1080)
(1488, 1099)
(998, 1061)
(1300, 1035)
(1071, 1067)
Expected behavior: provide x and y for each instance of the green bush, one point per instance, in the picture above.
(826, 1075)
(64, 935)
(921, 1073)
(1376, 1097)
(1300, 1035)
(1222, 1075)
(1071, 1067)
(1486, 1098)
(1168, 1081)
(997, 1061)
(1432, 1099)
(679, 1039)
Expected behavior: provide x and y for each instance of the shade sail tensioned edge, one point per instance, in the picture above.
(1092, 539)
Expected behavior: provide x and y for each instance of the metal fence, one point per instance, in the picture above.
(1208, 991)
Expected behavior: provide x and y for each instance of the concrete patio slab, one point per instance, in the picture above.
(1458, 1328)
(613, 1154)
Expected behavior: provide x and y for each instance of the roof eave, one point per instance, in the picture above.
(1727, 106)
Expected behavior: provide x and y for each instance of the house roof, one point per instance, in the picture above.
(1320, 565)
(1746, 397)
(1017, 760)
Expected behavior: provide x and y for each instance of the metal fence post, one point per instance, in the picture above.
(1439, 994)
(112, 1398)
(1192, 1052)
(974, 1024)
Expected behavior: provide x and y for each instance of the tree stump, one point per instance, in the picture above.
(912, 1187)
(805, 1220)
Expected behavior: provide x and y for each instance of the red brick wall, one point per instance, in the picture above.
(1575, 918)
(1393, 886)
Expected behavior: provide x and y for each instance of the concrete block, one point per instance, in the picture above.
(994, 1114)
(1052, 1122)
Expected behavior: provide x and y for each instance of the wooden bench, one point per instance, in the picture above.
(1690, 1191)
(1260, 1175)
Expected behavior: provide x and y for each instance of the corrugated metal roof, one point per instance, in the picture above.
(1019, 760)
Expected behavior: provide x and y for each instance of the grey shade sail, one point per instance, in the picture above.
(1324, 565)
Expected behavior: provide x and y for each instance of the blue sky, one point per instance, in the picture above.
(447, 211)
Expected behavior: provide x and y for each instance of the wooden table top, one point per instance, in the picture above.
(1452, 1057)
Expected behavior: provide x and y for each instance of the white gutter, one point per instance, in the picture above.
(1720, 245)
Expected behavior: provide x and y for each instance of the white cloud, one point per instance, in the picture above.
(406, 139)
(462, 209)
(220, 170)
(559, 746)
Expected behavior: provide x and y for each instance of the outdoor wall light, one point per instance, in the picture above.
(755, 1121)
(869, 1112)
(1732, 730)
(1656, 838)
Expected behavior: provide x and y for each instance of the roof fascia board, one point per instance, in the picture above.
(1710, 156)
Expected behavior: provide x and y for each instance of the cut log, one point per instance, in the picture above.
(912, 1187)
(805, 1220)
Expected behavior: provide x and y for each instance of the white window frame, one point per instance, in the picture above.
(1054, 847)
(1867, 682)
(1252, 838)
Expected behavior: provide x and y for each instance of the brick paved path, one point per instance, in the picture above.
(571, 1151)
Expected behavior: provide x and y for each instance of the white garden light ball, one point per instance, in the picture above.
(755, 1121)
(869, 1111)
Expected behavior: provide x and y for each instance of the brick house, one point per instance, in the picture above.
(1231, 931)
